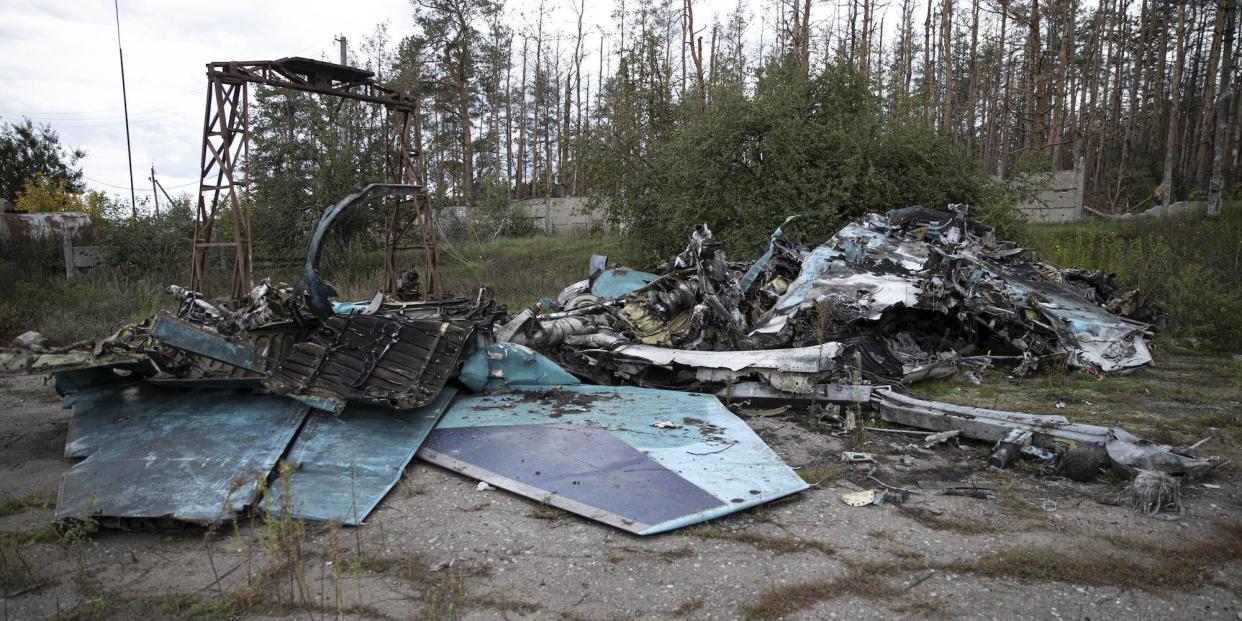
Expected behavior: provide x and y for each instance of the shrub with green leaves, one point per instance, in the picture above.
(820, 146)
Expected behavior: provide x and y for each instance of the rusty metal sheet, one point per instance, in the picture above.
(46, 226)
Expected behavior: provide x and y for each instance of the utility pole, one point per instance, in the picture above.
(155, 183)
(344, 43)
(129, 151)
(153, 192)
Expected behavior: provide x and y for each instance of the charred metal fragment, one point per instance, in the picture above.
(1108, 444)
(317, 292)
(398, 363)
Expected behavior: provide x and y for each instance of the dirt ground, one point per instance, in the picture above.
(1041, 548)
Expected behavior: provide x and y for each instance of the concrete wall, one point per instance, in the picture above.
(560, 216)
(1062, 201)
(555, 216)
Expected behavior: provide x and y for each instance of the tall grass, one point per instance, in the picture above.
(515, 271)
(35, 295)
(1190, 265)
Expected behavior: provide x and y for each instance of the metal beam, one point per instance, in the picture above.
(226, 147)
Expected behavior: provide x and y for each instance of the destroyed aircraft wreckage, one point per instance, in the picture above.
(608, 402)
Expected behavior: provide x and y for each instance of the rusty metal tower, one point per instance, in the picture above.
(222, 221)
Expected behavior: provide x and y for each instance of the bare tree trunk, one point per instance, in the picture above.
(946, 36)
(907, 46)
(462, 79)
(1000, 85)
(576, 155)
(696, 53)
(1170, 146)
(929, 80)
(1222, 111)
(1233, 165)
(509, 188)
(572, 96)
(1155, 90)
(1191, 129)
(879, 57)
(1006, 119)
(1206, 123)
(1000, 98)
(1058, 111)
(1032, 77)
(521, 154)
(1131, 121)
(686, 37)
(805, 35)
(711, 67)
(540, 112)
(973, 92)
(864, 61)
(1099, 94)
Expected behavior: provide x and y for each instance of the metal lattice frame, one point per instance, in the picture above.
(226, 143)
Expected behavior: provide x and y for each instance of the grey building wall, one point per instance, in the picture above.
(560, 216)
(1061, 201)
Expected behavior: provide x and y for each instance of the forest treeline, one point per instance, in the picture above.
(790, 108)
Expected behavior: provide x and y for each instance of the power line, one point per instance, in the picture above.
(88, 124)
(100, 113)
(125, 187)
(162, 112)
(113, 185)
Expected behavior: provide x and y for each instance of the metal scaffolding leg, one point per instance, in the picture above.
(225, 143)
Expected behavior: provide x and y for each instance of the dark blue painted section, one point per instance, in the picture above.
(586, 465)
(620, 281)
(709, 449)
(345, 465)
(190, 455)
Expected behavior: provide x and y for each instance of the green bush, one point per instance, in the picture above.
(151, 246)
(822, 147)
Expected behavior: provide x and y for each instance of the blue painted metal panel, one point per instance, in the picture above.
(343, 466)
(349, 308)
(757, 267)
(152, 452)
(84, 385)
(712, 450)
(505, 364)
(617, 282)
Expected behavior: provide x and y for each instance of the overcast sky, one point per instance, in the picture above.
(58, 65)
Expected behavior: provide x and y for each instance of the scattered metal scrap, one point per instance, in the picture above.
(889, 300)
(898, 298)
(1079, 448)
(166, 415)
(168, 424)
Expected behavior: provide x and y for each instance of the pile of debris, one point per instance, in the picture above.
(186, 416)
(910, 295)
